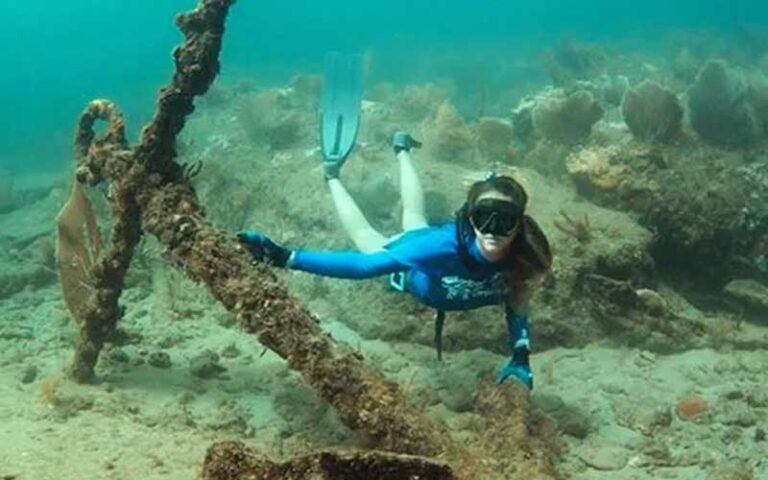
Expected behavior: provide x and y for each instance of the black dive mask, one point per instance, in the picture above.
(495, 217)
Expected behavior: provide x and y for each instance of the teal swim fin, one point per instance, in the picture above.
(340, 117)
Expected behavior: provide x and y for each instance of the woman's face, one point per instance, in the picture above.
(493, 246)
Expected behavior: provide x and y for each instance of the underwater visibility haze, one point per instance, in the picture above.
(417, 240)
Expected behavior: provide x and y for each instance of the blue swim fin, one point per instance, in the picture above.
(340, 117)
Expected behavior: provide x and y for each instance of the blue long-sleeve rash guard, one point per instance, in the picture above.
(431, 260)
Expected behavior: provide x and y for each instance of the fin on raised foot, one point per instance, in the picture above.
(340, 116)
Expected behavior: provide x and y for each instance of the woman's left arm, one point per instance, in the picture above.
(516, 311)
(518, 335)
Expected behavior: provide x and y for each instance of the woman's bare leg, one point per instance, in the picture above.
(365, 237)
(411, 193)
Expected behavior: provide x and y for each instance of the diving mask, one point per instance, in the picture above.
(495, 217)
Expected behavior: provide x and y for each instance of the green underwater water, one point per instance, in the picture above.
(59, 55)
(663, 299)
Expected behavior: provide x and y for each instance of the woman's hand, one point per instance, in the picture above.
(519, 370)
(262, 248)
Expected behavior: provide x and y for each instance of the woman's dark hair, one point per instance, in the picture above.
(530, 255)
(507, 186)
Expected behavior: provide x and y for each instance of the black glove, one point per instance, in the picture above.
(263, 249)
(403, 141)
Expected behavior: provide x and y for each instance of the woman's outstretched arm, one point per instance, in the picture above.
(345, 264)
(400, 255)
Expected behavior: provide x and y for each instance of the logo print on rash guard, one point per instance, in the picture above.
(457, 288)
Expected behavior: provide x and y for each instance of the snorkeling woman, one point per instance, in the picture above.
(492, 254)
